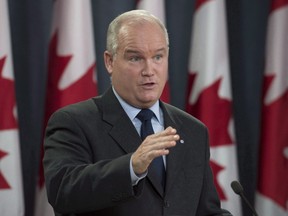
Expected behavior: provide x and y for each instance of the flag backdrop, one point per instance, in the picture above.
(158, 9)
(155, 7)
(210, 96)
(11, 192)
(31, 37)
(272, 198)
(71, 73)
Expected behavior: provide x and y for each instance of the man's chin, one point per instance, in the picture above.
(148, 102)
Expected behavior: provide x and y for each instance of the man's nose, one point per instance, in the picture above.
(148, 69)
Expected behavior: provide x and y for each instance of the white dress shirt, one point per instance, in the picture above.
(157, 124)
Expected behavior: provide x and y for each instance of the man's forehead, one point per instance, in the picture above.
(140, 29)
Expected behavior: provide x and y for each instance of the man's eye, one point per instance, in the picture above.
(135, 59)
(158, 57)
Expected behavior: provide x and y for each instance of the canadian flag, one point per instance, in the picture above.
(272, 196)
(11, 189)
(157, 8)
(71, 73)
(209, 94)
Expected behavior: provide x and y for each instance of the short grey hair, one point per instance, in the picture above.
(130, 17)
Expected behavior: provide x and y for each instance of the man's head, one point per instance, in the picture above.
(137, 57)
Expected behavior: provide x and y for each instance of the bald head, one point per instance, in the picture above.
(129, 19)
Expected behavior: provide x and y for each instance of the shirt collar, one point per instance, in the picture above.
(133, 111)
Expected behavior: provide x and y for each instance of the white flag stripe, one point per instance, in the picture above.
(73, 21)
(209, 53)
(267, 207)
(157, 8)
(209, 60)
(226, 157)
(5, 44)
(277, 51)
(42, 207)
(11, 199)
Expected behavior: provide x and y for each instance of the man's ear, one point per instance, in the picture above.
(108, 60)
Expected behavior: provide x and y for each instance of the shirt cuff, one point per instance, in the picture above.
(136, 178)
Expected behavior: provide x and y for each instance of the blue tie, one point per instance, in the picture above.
(157, 166)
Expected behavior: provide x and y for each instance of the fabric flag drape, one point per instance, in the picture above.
(272, 196)
(71, 73)
(157, 8)
(210, 96)
(11, 189)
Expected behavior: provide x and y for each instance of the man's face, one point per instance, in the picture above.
(140, 68)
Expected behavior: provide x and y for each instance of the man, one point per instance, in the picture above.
(95, 160)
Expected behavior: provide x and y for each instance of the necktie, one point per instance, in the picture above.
(157, 166)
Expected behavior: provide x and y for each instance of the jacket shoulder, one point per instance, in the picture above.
(180, 115)
(86, 107)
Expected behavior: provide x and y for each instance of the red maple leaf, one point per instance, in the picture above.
(7, 119)
(166, 93)
(7, 100)
(213, 111)
(273, 171)
(56, 98)
(82, 89)
(3, 183)
(216, 170)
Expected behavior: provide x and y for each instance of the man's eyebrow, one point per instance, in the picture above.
(161, 49)
(139, 52)
(132, 51)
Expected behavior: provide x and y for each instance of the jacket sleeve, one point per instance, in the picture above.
(74, 182)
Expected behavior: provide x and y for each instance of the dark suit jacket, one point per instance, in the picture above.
(88, 147)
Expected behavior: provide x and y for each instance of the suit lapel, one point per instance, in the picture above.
(125, 134)
(175, 159)
(122, 130)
